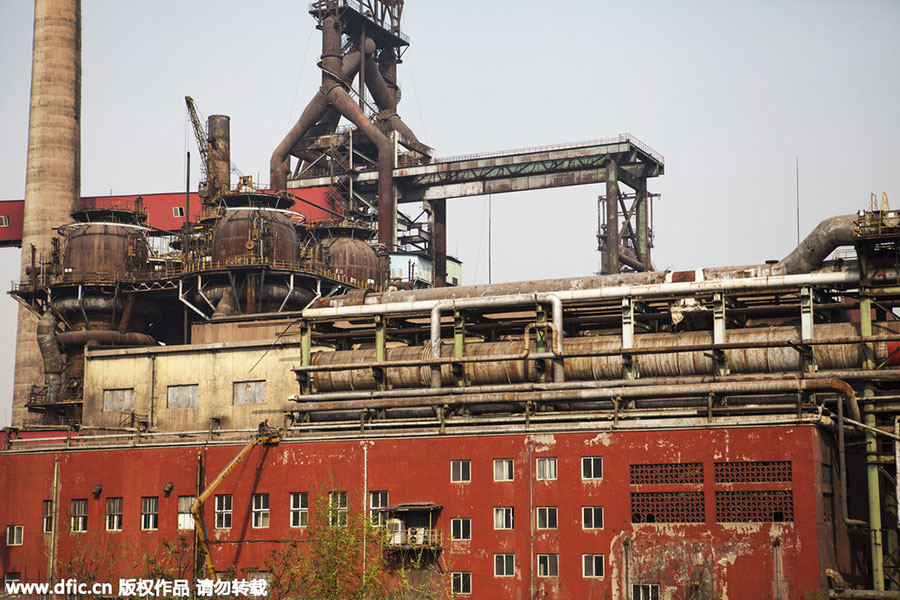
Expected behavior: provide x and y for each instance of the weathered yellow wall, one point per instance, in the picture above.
(214, 367)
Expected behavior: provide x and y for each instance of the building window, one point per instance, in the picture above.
(546, 517)
(248, 392)
(460, 471)
(592, 517)
(462, 582)
(79, 515)
(183, 396)
(177, 211)
(338, 509)
(118, 400)
(114, 514)
(150, 513)
(14, 535)
(503, 517)
(12, 577)
(546, 469)
(503, 469)
(592, 467)
(378, 500)
(504, 565)
(4, 220)
(260, 511)
(461, 529)
(645, 591)
(299, 509)
(592, 565)
(48, 516)
(223, 511)
(185, 518)
(548, 565)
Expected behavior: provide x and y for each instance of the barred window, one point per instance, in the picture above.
(667, 507)
(755, 507)
(666, 474)
(775, 471)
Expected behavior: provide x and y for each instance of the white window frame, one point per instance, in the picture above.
(460, 471)
(593, 511)
(114, 519)
(378, 499)
(590, 473)
(15, 534)
(299, 509)
(645, 591)
(548, 565)
(505, 468)
(501, 569)
(149, 513)
(338, 509)
(4, 220)
(178, 211)
(260, 511)
(461, 582)
(224, 506)
(461, 526)
(504, 518)
(79, 515)
(544, 513)
(48, 516)
(545, 468)
(589, 564)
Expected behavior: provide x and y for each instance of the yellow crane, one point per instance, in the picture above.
(268, 436)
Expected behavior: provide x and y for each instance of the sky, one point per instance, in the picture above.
(733, 94)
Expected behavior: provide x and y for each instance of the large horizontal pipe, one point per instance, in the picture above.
(596, 358)
(731, 388)
(104, 337)
(835, 278)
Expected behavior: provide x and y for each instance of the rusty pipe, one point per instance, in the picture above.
(384, 99)
(54, 363)
(416, 398)
(498, 301)
(828, 235)
(104, 337)
(318, 109)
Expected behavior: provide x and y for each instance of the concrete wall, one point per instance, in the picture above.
(214, 368)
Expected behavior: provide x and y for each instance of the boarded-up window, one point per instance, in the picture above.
(249, 392)
(183, 396)
(118, 400)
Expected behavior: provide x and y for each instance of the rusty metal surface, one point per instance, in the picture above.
(256, 232)
(105, 249)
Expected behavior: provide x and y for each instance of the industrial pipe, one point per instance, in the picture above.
(828, 235)
(498, 301)
(54, 363)
(104, 337)
(317, 111)
(425, 300)
(415, 398)
(385, 99)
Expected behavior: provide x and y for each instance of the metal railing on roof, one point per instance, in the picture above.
(619, 139)
(355, 5)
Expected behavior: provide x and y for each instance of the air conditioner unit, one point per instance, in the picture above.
(395, 532)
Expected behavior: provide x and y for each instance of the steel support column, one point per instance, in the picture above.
(872, 476)
(610, 256)
(439, 242)
(641, 210)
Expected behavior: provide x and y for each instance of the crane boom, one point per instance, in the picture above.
(199, 134)
(268, 436)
